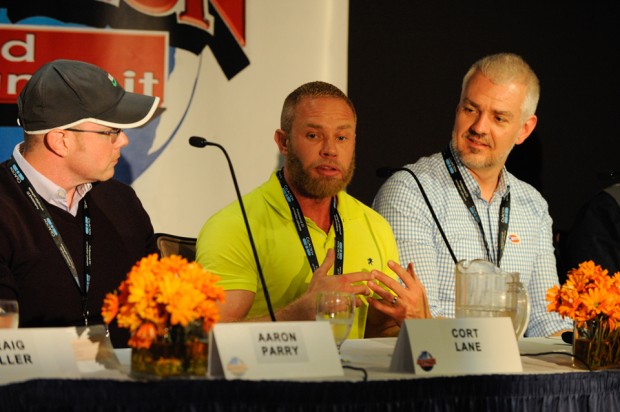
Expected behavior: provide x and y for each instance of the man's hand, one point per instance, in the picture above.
(400, 302)
(349, 283)
(239, 302)
(304, 308)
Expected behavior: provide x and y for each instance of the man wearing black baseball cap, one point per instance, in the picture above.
(68, 232)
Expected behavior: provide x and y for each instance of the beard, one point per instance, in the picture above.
(316, 187)
(476, 159)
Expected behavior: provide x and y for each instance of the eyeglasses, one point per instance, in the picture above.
(113, 133)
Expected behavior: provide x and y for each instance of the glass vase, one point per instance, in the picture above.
(181, 352)
(595, 346)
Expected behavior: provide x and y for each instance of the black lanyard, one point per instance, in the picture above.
(31, 194)
(302, 228)
(504, 208)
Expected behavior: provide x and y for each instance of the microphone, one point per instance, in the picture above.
(385, 172)
(567, 337)
(201, 142)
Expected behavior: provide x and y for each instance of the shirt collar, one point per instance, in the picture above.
(48, 190)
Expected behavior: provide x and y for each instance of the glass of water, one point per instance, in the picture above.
(9, 314)
(339, 309)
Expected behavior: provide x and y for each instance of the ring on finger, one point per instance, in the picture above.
(394, 300)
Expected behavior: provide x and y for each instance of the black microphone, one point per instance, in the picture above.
(197, 141)
(200, 142)
(385, 172)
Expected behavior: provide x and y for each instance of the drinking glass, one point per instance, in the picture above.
(339, 309)
(9, 314)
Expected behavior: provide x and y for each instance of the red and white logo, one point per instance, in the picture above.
(24, 49)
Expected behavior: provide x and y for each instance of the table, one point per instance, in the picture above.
(548, 383)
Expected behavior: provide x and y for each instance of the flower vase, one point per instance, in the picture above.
(595, 346)
(181, 352)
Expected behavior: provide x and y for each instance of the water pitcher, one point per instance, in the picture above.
(484, 290)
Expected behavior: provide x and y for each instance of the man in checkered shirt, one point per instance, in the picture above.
(469, 188)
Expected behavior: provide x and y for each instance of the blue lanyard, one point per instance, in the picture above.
(38, 204)
(304, 234)
(504, 213)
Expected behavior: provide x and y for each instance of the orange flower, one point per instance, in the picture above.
(570, 305)
(143, 337)
(160, 293)
(110, 307)
(594, 301)
(553, 297)
(589, 293)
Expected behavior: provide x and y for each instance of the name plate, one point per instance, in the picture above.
(32, 353)
(457, 346)
(273, 350)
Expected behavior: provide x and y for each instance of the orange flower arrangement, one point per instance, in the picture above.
(160, 294)
(588, 294)
(591, 298)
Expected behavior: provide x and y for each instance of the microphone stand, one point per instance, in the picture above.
(200, 142)
(385, 172)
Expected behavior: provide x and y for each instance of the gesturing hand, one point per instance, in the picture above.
(398, 301)
(350, 282)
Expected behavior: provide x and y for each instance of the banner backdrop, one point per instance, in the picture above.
(222, 69)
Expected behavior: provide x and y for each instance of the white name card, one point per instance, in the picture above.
(457, 346)
(53, 353)
(273, 350)
(36, 353)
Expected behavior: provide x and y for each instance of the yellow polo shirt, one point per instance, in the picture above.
(223, 247)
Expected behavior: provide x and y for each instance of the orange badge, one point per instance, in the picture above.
(514, 238)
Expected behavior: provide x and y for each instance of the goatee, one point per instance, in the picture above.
(316, 187)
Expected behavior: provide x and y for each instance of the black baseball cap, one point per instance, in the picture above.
(64, 93)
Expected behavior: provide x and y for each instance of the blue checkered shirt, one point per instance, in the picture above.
(528, 249)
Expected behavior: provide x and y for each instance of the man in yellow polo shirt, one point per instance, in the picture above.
(317, 140)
